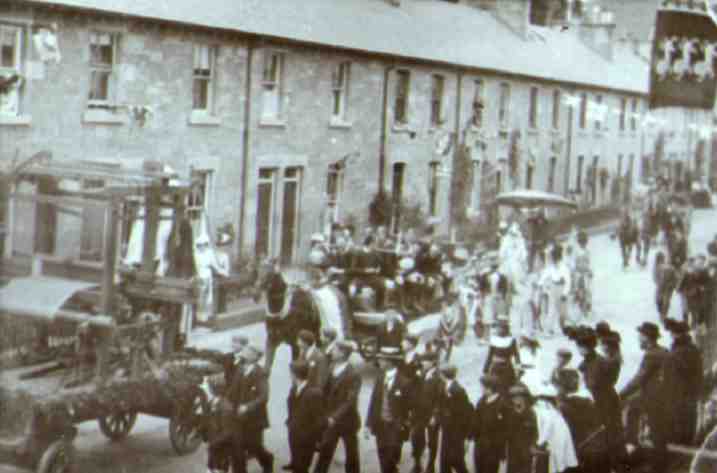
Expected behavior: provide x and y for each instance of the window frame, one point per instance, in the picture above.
(557, 99)
(438, 90)
(579, 174)
(19, 57)
(402, 97)
(479, 86)
(583, 111)
(333, 205)
(340, 90)
(103, 68)
(552, 170)
(504, 105)
(213, 54)
(434, 168)
(598, 112)
(533, 107)
(623, 113)
(275, 85)
(633, 115)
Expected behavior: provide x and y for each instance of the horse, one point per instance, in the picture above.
(311, 307)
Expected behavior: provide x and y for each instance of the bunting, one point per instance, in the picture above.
(682, 69)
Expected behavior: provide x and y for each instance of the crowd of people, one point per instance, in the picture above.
(571, 418)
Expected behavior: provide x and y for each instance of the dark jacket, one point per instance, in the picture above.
(584, 422)
(400, 401)
(648, 381)
(318, 369)
(341, 400)
(250, 390)
(522, 437)
(456, 413)
(429, 393)
(491, 424)
(685, 363)
(275, 288)
(305, 421)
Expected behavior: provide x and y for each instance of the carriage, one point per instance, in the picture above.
(97, 335)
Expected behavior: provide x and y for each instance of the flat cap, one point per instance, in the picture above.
(650, 330)
(676, 326)
(520, 390)
(565, 353)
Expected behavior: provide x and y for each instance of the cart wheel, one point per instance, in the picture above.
(185, 422)
(117, 426)
(58, 458)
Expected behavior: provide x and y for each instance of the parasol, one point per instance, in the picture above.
(533, 198)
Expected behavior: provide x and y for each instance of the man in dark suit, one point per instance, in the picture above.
(685, 368)
(314, 358)
(597, 374)
(248, 396)
(456, 419)
(424, 418)
(649, 382)
(342, 420)
(276, 289)
(305, 407)
(411, 365)
(388, 413)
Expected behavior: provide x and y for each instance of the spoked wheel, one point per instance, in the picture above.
(58, 458)
(184, 424)
(117, 426)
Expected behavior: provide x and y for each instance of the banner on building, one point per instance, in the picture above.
(682, 69)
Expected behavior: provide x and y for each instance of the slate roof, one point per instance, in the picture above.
(427, 30)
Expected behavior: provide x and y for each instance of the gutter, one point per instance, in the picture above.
(246, 147)
(456, 154)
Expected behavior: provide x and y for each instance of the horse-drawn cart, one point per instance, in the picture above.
(95, 339)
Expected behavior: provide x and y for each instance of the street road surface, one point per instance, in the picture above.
(623, 298)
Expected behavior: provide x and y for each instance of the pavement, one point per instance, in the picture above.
(624, 298)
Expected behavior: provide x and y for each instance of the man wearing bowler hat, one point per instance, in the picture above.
(596, 374)
(685, 362)
(649, 383)
(523, 431)
(388, 412)
(317, 362)
(456, 420)
(424, 418)
(305, 408)
(248, 396)
(341, 415)
(491, 424)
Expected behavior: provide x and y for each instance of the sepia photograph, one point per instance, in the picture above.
(358, 236)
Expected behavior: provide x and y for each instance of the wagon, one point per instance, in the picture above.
(101, 336)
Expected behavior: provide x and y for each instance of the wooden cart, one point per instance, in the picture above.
(99, 332)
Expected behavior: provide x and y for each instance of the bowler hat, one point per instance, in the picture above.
(565, 353)
(676, 326)
(586, 339)
(649, 330)
(602, 328)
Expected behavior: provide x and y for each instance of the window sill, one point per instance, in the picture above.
(198, 118)
(103, 117)
(340, 123)
(270, 122)
(15, 120)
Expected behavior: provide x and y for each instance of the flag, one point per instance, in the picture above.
(682, 72)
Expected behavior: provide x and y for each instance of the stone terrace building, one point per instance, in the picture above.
(293, 114)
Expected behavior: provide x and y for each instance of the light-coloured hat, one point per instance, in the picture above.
(318, 238)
